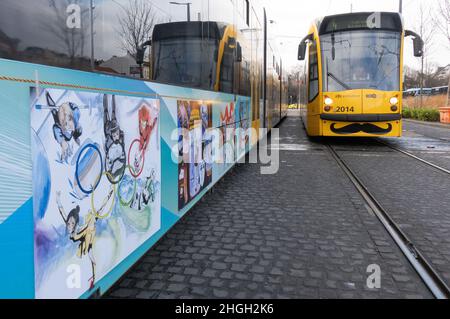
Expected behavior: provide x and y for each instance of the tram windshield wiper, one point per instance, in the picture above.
(331, 75)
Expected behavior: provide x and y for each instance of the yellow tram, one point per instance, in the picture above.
(354, 73)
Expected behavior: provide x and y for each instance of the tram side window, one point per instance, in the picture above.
(227, 70)
(73, 34)
(244, 86)
(313, 72)
(117, 37)
(61, 33)
(46, 32)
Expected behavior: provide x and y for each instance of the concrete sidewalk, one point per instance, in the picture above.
(434, 124)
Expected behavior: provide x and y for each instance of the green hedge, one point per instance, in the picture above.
(428, 115)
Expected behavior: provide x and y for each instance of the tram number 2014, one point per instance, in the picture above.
(345, 109)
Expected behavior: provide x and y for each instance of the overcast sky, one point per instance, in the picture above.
(294, 17)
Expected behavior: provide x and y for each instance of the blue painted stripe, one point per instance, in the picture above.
(17, 260)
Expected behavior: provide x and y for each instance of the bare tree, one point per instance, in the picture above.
(442, 21)
(433, 77)
(412, 78)
(425, 25)
(72, 38)
(136, 24)
(296, 85)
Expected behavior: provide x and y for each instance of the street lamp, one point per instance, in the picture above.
(187, 4)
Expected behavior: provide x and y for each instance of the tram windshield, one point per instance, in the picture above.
(361, 60)
(186, 61)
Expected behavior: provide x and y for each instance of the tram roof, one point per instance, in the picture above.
(391, 21)
(209, 29)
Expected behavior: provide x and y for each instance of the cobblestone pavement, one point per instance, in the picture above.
(414, 194)
(428, 141)
(302, 233)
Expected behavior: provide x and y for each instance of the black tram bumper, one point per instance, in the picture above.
(361, 118)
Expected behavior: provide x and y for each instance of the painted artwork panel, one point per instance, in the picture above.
(195, 170)
(96, 185)
(228, 128)
(243, 126)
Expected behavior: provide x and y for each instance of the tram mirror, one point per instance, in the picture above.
(302, 51)
(303, 45)
(417, 43)
(140, 52)
(238, 53)
(418, 47)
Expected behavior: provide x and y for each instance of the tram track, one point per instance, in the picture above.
(427, 273)
(424, 269)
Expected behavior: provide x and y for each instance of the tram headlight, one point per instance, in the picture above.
(393, 100)
(328, 101)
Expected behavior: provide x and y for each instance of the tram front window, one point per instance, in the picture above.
(187, 62)
(361, 60)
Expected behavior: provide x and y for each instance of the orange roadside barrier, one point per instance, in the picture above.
(445, 114)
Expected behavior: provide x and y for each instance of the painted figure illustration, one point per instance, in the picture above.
(84, 235)
(115, 160)
(243, 136)
(206, 111)
(147, 124)
(183, 148)
(228, 126)
(67, 126)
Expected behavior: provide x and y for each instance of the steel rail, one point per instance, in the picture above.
(424, 269)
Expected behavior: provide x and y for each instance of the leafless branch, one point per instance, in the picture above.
(72, 39)
(442, 19)
(136, 24)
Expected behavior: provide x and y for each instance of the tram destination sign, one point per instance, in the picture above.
(361, 21)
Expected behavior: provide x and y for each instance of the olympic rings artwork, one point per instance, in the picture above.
(110, 176)
(142, 156)
(118, 179)
(122, 202)
(96, 213)
(77, 176)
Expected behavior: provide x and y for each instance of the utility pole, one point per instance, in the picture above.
(91, 12)
(300, 97)
(422, 58)
(188, 12)
(400, 6)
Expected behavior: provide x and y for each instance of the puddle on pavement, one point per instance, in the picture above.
(292, 147)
